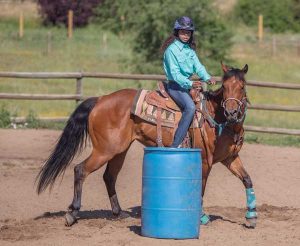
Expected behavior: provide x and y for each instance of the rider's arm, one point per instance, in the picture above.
(200, 69)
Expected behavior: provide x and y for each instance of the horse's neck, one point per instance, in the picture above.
(217, 111)
(214, 105)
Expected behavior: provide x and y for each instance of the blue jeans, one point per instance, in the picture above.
(183, 99)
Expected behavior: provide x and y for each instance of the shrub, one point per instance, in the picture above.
(151, 22)
(4, 117)
(55, 12)
(296, 10)
(32, 120)
(279, 16)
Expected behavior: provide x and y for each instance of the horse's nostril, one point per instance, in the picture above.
(232, 112)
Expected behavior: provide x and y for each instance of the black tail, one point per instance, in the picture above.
(71, 140)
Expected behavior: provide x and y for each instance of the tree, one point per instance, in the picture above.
(279, 16)
(296, 10)
(55, 12)
(151, 22)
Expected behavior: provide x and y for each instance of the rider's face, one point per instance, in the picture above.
(184, 35)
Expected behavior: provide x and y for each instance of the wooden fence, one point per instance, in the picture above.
(79, 93)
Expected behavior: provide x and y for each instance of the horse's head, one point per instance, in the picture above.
(234, 93)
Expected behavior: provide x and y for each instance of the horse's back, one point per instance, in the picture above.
(117, 99)
(111, 117)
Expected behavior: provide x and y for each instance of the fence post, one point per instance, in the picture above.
(274, 46)
(104, 38)
(49, 37)
(21, 25)
(122, 18)
(79, 89)
(260, 27)
(70, 24)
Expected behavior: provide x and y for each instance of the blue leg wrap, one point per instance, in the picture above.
(204, 219)
(251, 214)
(251, 204)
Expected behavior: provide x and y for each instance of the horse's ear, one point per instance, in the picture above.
(224, 67)
(245, 69)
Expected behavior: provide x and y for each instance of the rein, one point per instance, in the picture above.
(211, 120)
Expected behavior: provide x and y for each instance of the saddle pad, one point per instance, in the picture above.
(148, 112)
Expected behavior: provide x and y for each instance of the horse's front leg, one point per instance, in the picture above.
(236, 167)
(204, 219)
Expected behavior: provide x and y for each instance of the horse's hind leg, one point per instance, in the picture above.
(236, 167)
(81, 171)
(110, 177)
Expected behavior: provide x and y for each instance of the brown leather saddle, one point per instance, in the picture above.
(161, 98)
(162, 101)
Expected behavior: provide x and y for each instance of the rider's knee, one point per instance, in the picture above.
(191, 109)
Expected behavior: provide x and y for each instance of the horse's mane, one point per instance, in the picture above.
(215, 93)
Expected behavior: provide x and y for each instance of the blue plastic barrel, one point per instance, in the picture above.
(171, 193)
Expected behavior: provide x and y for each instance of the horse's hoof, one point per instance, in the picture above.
(252, 223)
(122, 215)
(70, 219)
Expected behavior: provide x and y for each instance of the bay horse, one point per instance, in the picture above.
(112, 128)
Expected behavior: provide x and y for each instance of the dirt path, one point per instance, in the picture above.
(28, 219)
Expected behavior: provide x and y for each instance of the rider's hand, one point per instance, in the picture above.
(212, 81)
(196, 84)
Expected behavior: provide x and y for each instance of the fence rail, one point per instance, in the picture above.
(78, 75)
(295, 132)
(23, 96)
(79, 93)
(79, 97)
(275, 107)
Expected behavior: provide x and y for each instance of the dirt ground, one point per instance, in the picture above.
(28, 219)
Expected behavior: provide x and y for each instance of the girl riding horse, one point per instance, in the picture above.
(180, 62)
(108, 122)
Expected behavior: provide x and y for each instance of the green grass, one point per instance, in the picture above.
(281, 67)
(263, 66)
(272, 139)
(87, 51)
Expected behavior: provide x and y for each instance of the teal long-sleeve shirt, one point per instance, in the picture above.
(180, 62)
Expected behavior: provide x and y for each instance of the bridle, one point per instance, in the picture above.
(241, 110)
